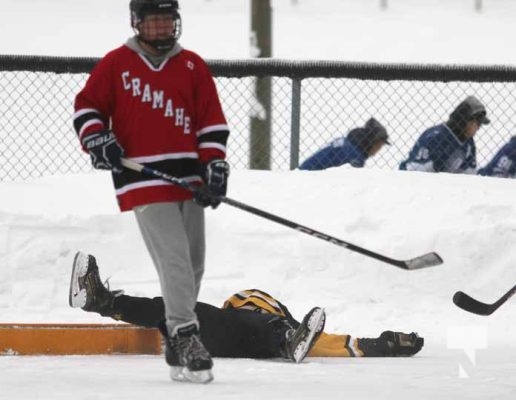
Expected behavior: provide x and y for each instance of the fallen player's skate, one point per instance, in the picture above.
(301, 340)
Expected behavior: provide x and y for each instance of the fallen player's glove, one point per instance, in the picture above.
(391, 344)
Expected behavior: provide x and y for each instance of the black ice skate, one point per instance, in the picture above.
(301, 340)
(187, 357)
(391, 344)
(87, 290)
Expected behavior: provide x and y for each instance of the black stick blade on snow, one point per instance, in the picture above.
(468, 303)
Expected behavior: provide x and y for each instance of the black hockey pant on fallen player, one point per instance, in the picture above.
(224, 332)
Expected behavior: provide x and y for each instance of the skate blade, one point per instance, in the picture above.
(182, 374)
(76, 295)
(204, 376)
(315, 326)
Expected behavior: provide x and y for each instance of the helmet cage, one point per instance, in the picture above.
(141, 8)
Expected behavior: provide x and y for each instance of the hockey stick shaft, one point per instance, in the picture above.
(426, 260)
(468, 303)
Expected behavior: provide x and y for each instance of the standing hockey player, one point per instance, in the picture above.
(450, 147)
(156, 103)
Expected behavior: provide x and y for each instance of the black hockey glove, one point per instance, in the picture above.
(104, 150)
(215, 175)
(203, 197)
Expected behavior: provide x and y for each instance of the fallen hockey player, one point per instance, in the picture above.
(251, 323)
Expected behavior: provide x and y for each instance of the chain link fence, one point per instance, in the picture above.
(312, 103)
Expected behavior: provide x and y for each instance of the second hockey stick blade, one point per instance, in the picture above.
(468, 303)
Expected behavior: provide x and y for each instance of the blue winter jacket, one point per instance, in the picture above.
(339, 152)
(438, 149)
(503, 164)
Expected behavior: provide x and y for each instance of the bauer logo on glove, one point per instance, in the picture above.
(104, 150)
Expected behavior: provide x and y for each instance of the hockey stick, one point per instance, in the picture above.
(423, 261)
(468, 303)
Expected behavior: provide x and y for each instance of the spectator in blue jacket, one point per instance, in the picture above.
(354, 149)
(450, 147)
(503, 164)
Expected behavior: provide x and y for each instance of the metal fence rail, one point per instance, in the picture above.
(313, 102)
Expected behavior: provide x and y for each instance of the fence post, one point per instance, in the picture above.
(295, 123)
(261, 34)
(478, 5)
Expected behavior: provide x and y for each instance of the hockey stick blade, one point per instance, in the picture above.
(424, 261)
(468, 303)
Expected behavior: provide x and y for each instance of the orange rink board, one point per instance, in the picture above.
(77, 339)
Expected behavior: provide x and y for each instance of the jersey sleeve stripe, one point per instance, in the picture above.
(89, 124)
(214, 140)
(212, 145)
(212, 128)
(84, 111)
(85, 118)
(216, 136)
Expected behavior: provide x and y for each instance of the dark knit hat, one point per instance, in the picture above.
(470, 109)
(375, 131)
(365, 137)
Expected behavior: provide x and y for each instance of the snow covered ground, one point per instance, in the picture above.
(470, 221)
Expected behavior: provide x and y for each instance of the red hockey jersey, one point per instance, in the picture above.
(167, 117)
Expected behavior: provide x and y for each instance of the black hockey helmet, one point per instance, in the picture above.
(141, 8)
